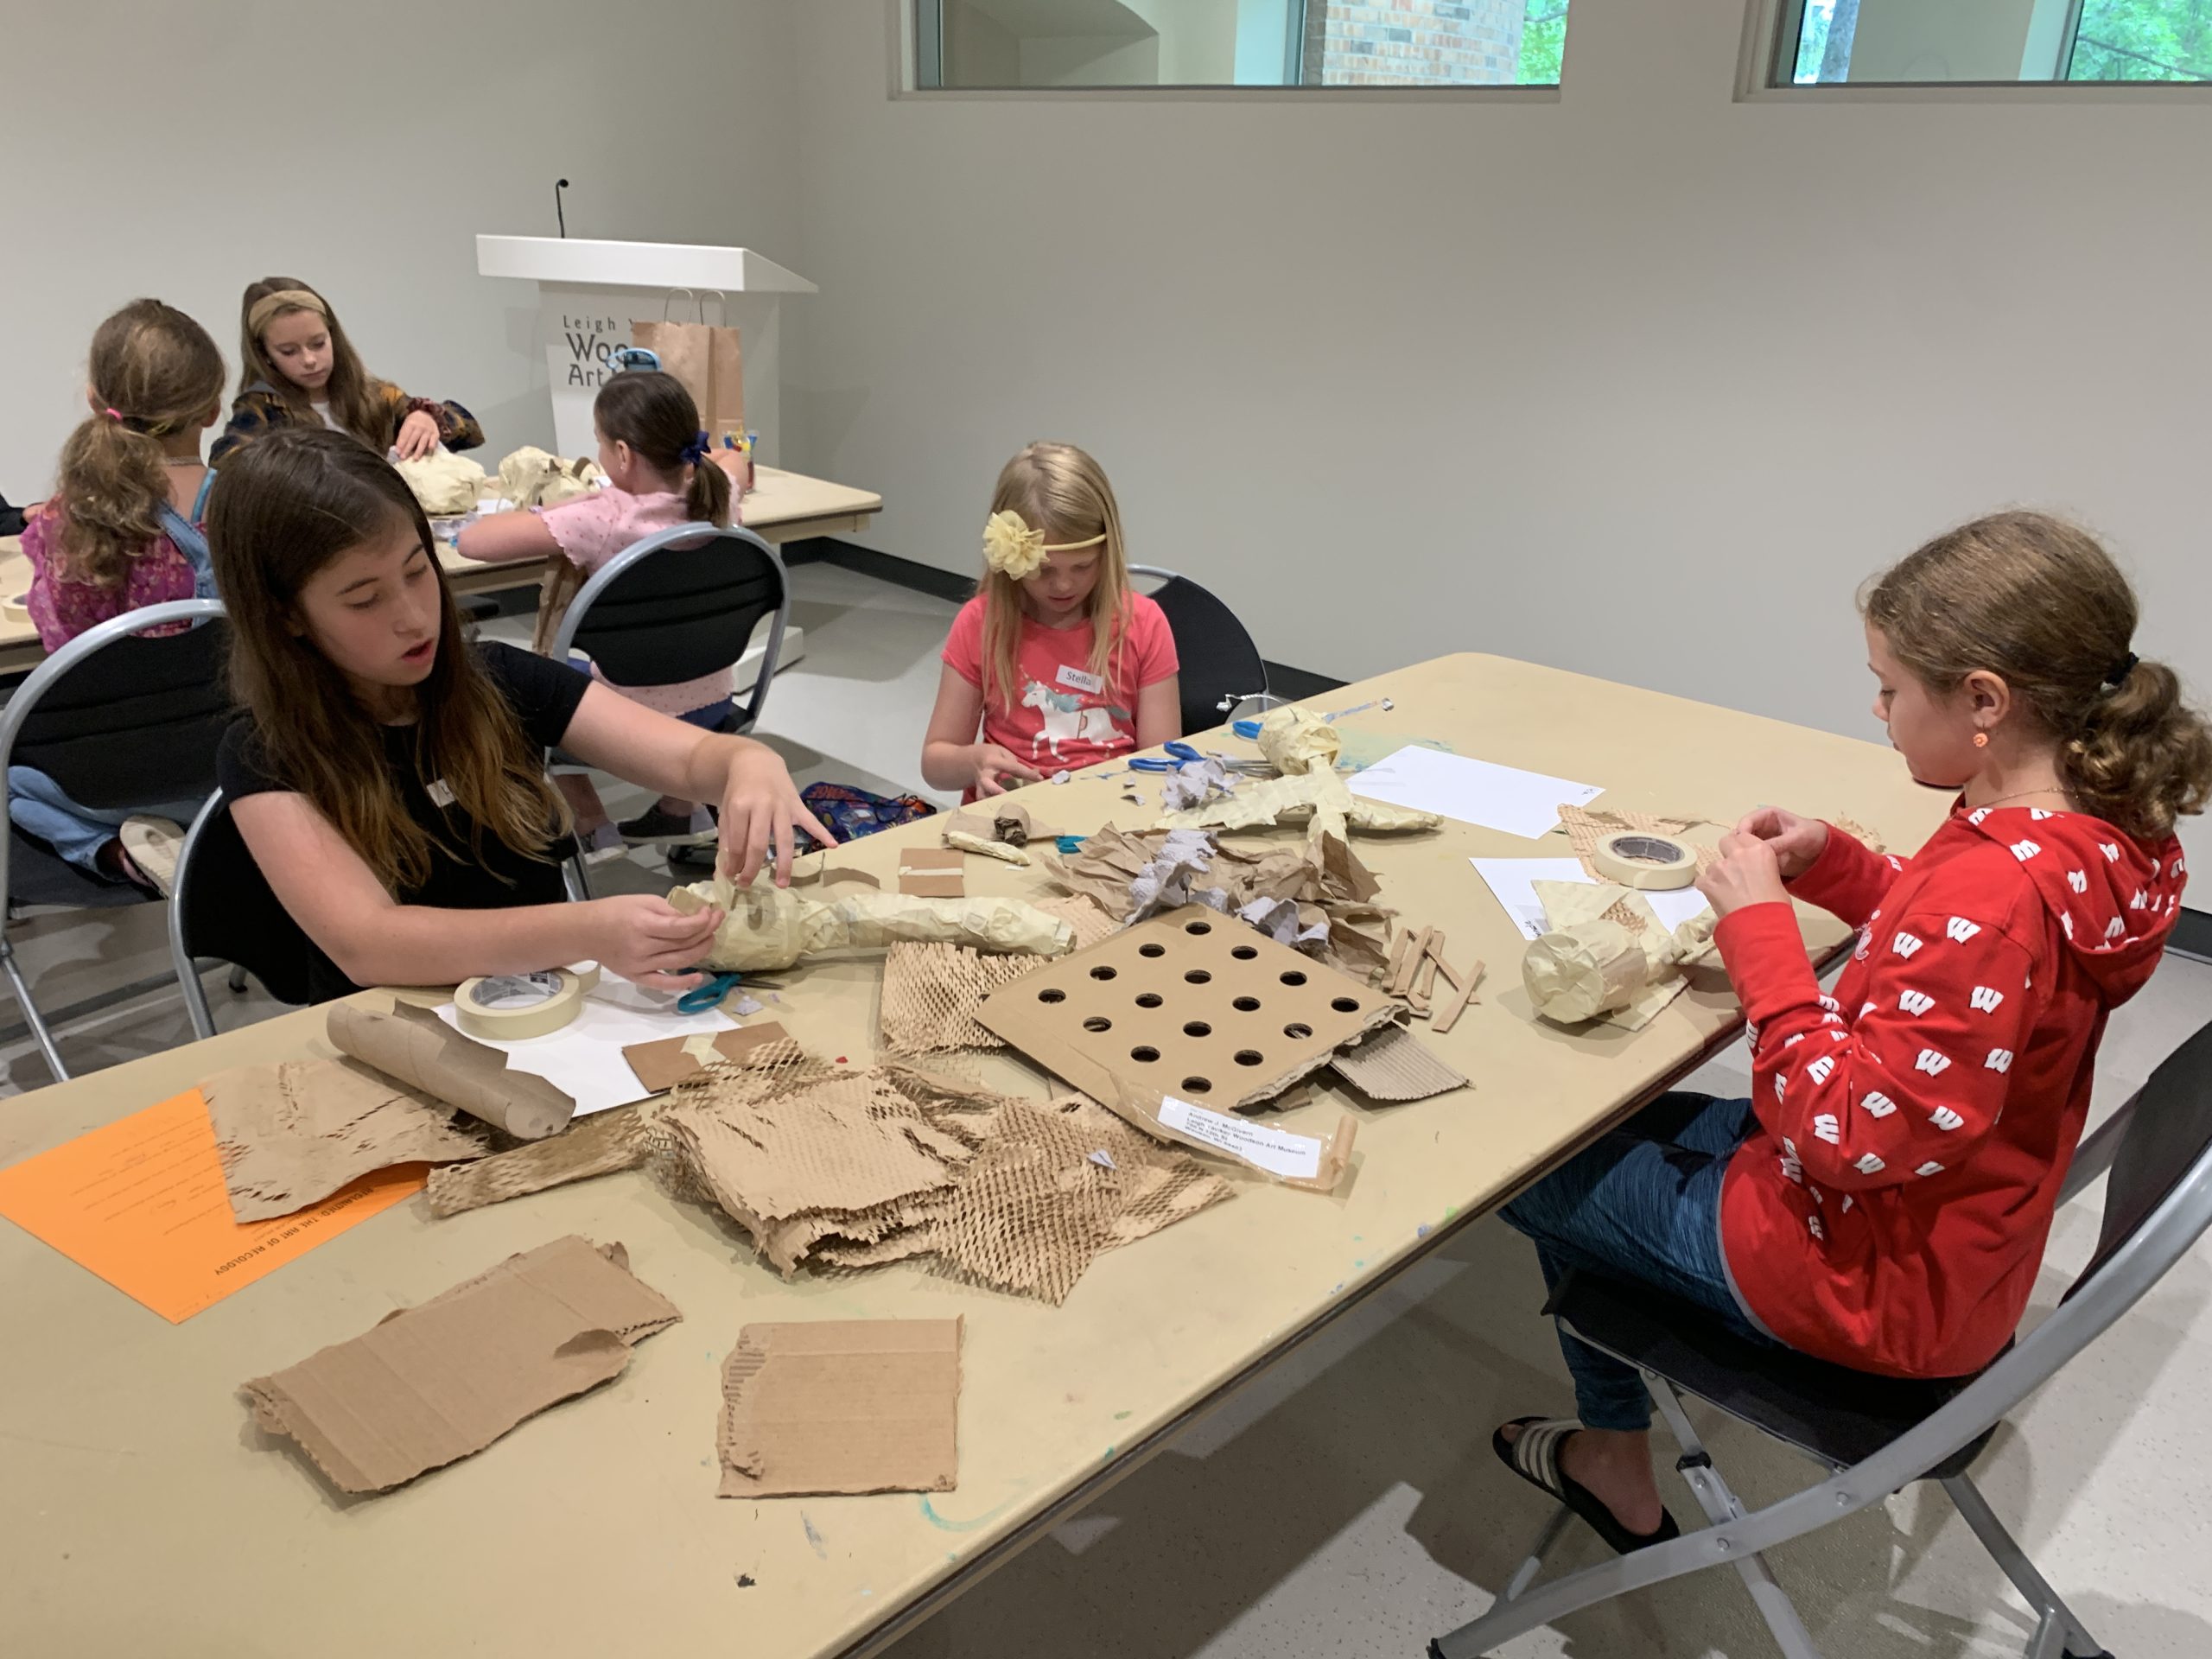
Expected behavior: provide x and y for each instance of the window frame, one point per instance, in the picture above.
(1772, 28)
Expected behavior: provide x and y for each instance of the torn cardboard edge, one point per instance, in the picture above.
(429, 1385)
(844, 1407)
(666, 1061)
(1393, 1067)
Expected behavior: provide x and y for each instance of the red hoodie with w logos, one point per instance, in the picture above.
(1890, 1213)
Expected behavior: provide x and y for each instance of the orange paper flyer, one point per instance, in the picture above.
(141, 1204)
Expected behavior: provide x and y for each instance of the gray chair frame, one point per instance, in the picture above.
(573, 872)
(1736, 1537)
(41, 680)
(187, 966)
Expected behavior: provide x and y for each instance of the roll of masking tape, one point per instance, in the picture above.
(508, 1007)
(1652, 863)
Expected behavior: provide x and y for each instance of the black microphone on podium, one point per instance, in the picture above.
(559, 185)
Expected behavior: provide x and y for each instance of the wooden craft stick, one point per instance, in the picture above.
(1436, 955)
(1419, 1004)
(1457, 1005)
(1408, 961)
(1426, 988)
(1399, 955)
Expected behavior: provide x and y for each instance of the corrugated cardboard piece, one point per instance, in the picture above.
(931, 872)
(434, 1383)
(296, 1131)
(841, 1406)
(422, 1050)
(1394, 1065)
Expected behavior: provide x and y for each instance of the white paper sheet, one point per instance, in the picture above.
(584, 1058)
(1298, 1157)
(1519, 803)
(1513, 881)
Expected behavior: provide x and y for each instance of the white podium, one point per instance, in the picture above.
(589, 292)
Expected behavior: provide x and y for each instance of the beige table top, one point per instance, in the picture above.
(781, 507)
(143, 1514)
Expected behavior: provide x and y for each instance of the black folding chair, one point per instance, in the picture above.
(1220, 666)
(221, 908)
(1878, 1434)
(676, 605)
(117, 719)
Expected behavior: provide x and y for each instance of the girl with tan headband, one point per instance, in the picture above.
(299, 370)
(1055, 663)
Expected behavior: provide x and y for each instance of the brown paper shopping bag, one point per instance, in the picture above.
(705, 357)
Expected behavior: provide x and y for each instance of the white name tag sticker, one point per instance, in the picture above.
(1277, 1151)
(1076, 680)
(441, 793)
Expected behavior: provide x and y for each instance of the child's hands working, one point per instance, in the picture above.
(1797, 842)
(418, 435)
(994, 764)
(649, 940)
(761, 804)
(1747, 873)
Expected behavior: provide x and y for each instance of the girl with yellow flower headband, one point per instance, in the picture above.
(1055, 663)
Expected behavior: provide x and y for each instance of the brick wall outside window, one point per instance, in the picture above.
(1411, 42)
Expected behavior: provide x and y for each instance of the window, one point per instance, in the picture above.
(992, 45)
(1893, 43)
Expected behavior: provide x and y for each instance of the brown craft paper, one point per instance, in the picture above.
(664, 1063)
(424, 1052)
(841, 1406)
(434, 1383)
(932, 992)
(296, 1131)
(599, 1145)
(931, 872)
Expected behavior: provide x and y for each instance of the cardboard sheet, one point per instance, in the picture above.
(932, 873)
(841, 1406)
(585, 1058)
(434, 1383)
(662, 1064)
(296, 1131)
(142, 1203)
(420, 1050)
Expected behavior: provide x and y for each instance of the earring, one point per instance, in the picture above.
(1982, 740)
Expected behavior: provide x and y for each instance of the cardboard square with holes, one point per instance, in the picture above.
(1193, 1004)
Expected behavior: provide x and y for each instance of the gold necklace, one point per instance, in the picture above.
(2021, 795)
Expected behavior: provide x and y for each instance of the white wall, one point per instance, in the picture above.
(1641, 383)
(361, 146)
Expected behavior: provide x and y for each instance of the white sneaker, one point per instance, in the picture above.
(154, 845)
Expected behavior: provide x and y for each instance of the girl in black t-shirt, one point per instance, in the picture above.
(389, 781)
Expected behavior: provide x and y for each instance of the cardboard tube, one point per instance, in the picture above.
(508, 1007)
(1580, 972)
(1649, 864)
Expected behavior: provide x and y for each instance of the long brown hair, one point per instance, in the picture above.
(154, 372)
(654, 415)
(1059, 490)
(2037, 601)
(353, 391)
(284, 508)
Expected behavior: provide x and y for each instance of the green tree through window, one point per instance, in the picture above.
(2143, 40)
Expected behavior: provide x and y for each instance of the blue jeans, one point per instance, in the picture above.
(37, 806)
(1642, 1204)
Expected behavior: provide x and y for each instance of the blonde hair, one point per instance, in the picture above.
(2036, 601)
(355, 403)
(154, 372)
(1059, 490)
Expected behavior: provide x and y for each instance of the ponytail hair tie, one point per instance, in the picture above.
(115, 415)
(2116, 676)
(695, 451)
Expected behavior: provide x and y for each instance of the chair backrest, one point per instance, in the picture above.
(2169, 1134)
(679, 604)
(118, 718)
(1218, 660)
(221, 905)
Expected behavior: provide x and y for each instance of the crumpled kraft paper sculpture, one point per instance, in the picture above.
(1587, 966)
(1320, 794)
(1298, 742)
(444, 483)
(766, 927)
(532, 478)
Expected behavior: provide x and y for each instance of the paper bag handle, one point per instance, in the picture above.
(699, 303)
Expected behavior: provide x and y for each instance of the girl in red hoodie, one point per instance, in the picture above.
(1882, 1199)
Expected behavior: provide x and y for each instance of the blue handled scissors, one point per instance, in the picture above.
(705, 999)
(1180, 755)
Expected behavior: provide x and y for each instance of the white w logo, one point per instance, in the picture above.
(2111, 850)
(1828, 1128)
(1868, 1164)
(2115, 928)
(1931, 1062)
(1961, 929)
(1905, 944)
(1945, 1119)
(1822, 1067)
(2078, 880)
(2000, 1059)
(2023, 850)
(1914, 1001)
(1876, 1104)
(1986, 999)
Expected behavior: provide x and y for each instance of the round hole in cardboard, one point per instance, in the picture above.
(1246, 1005)
(1345, 1004)
(1198, 976)
(1196, 1028)
(1154, 948)
(1144, 1053)
(1052, 993)
(1245, 952)
(1098, 1022)
(1293, 977)
(1197, 927)
(1197, 1085)
(1297, 1033)
(1149, 1000)
(1103, 971)
(1248, 1057)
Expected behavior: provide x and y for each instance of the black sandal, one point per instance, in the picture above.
(1534, 1456)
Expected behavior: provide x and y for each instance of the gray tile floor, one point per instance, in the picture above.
(1347, 1503)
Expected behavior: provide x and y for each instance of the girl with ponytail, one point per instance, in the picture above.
(120, 532)
(660, 473)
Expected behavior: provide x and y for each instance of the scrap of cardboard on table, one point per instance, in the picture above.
(844, 1406)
